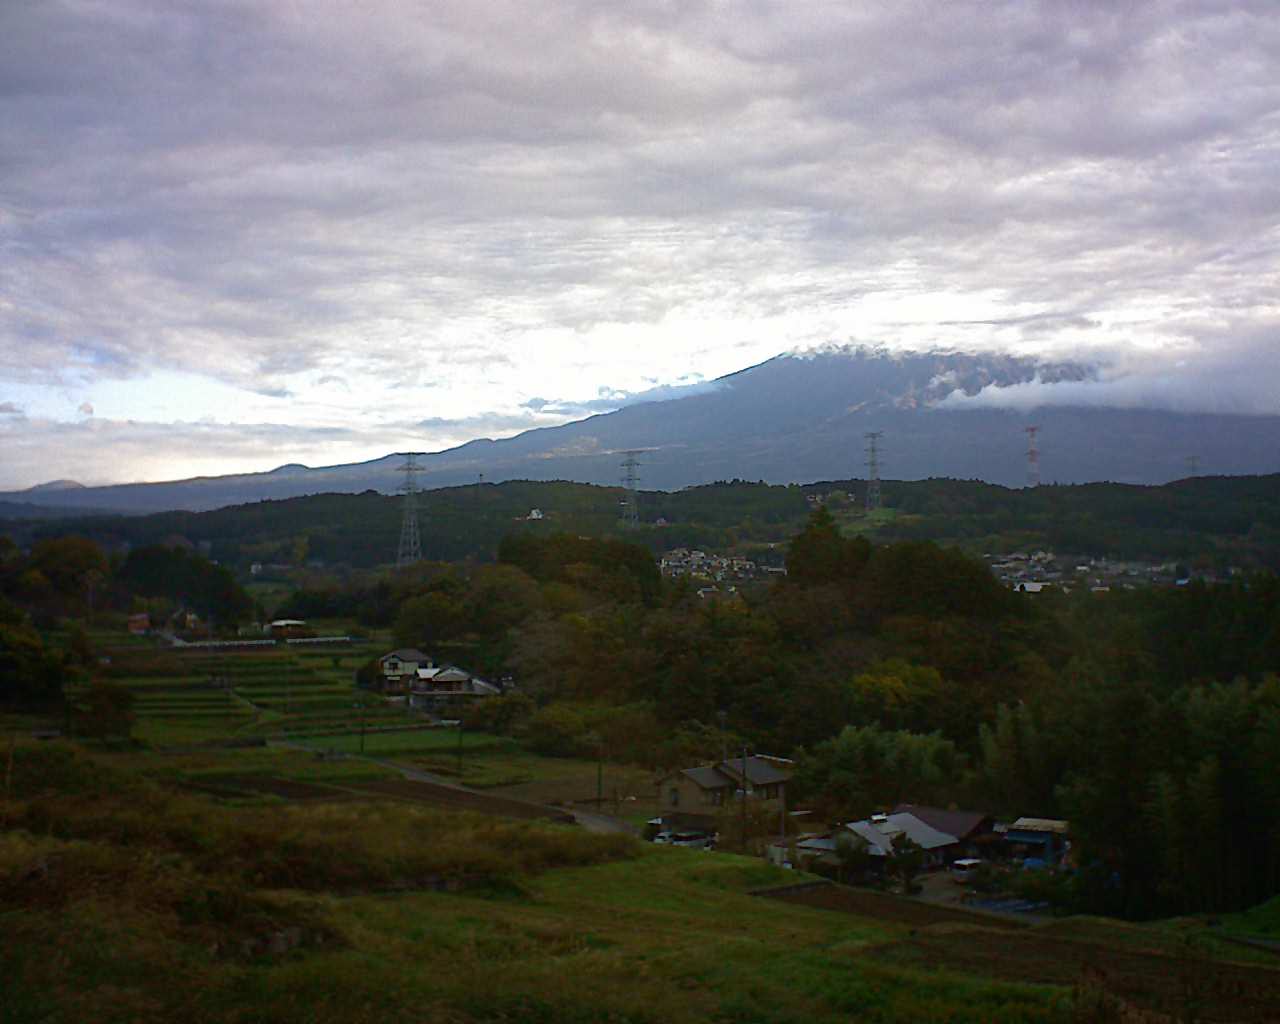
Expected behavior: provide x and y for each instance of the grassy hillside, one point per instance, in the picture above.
(125, 899)
(114, 887)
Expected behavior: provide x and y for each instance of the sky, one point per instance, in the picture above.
(240, 234)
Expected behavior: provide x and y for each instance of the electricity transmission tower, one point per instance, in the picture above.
(630, 504)
(1033, 457)
(410, 545)
(1193, 465)
(873, 469)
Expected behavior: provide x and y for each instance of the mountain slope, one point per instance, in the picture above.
(792, 418)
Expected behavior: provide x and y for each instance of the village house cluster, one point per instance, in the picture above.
(717, 575)
(695, 802)
(407, 675)
(943, 836)
(1034, 572)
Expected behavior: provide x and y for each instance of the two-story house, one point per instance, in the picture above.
(434, 688)
(693, 797)
(400, 669)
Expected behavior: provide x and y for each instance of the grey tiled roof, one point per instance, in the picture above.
(956, 823)
(759, 772)
(406, 654)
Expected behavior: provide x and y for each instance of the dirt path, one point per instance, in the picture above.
(427, 787)
(884, 907)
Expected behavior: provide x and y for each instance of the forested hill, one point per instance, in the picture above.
(1217, 520)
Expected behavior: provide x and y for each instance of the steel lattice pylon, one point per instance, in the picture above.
(1033, 457)
(873, 469)
(629, 507)
(410, 543)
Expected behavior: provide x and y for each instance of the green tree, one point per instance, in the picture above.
(819, 554)
(31, 675)
(427, 621)
(854, 855)
(906, 861)
(67, 562)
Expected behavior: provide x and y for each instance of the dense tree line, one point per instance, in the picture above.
(907, 672)
(901, 671)
(1215, 521)
(62, 582)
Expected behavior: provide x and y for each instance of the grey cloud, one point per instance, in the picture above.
(10, 409)
(270, 391)
(1238, 376)
(252, 192)
(39, 449)
(85, 408)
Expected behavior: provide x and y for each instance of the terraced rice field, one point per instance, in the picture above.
(184, 696)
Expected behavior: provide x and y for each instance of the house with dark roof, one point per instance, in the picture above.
(974, 831)
(692, 797)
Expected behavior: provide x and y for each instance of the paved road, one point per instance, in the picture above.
(594, 822)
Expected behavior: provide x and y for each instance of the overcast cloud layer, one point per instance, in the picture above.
(364, 227)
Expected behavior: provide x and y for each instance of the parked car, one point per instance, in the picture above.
(965, 870)
(698, 840)
(663, 838)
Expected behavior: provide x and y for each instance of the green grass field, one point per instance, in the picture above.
(409, 744)
(551, 924)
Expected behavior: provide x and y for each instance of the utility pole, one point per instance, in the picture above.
(873, 469)
(1193, 465)
(782, 813)
(1033, 457)
(410, 545)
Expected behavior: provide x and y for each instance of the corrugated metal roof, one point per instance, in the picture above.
(879, 834)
